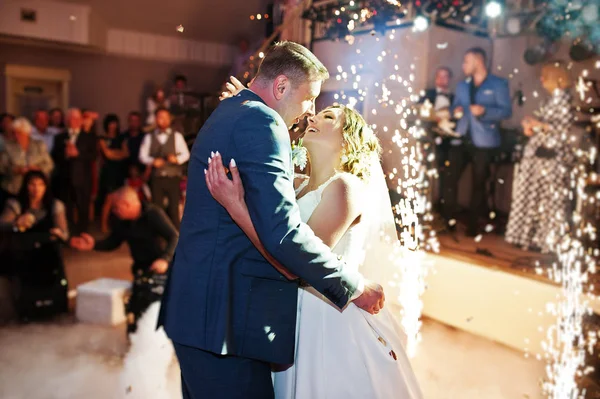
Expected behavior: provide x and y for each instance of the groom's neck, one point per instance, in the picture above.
(266, 94)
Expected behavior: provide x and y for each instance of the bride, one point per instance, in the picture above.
(348, 354)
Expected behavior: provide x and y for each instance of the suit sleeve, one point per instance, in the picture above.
(163, 226)
(110, 243)
(88, 153)
(429, 95)
(503, 108)
(264, 160)
(58, 150)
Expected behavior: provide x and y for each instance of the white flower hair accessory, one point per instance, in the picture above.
(299, 155)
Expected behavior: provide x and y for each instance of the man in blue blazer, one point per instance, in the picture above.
(480, 103)
(229, 313)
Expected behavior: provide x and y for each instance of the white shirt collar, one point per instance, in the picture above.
(158, 131)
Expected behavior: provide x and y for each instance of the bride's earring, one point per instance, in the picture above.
(344, 158)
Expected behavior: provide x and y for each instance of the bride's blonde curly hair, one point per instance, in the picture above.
(361, 145)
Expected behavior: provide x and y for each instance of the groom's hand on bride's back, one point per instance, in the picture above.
(372, 298)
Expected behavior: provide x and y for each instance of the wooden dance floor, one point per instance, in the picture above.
(490, 250)
(493, 289)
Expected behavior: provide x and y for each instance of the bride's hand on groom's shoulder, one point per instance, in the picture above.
(372, 298)
(232, 88)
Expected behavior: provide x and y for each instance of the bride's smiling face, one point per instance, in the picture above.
(325, 129)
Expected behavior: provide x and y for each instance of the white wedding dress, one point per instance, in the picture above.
(349, 354)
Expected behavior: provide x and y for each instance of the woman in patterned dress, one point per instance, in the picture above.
(540, 200)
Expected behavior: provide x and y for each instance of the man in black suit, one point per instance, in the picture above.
(440, 96)
(441, 99)
(74, 153)
(135, 136)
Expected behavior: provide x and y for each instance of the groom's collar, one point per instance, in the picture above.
(249, 95)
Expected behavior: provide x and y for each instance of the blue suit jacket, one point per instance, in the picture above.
(222, 296)
(494, 95)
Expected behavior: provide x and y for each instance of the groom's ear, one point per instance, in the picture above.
(281, 84)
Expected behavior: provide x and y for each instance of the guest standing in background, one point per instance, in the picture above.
(89, 127)
(114, 155)
(41, 129)
(481, 103)
(57, 120)
(6, 130)
(6, 134)
(158, 100)
(165, 150)
(440, 97)
(183, 105)
(22, 155)
(134, 136)
(178, 97)
(540, 202)
(74, 152)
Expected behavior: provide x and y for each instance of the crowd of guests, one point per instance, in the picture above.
(540, 203)
(65, 170)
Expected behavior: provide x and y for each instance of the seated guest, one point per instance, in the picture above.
(21, 155)
(144, 227)
(539, 205)
(74, 153)
(35, 224)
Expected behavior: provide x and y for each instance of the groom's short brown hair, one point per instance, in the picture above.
(293, 60)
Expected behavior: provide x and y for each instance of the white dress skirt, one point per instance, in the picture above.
(347, 354)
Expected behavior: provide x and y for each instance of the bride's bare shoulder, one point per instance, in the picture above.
(346, 188)
(349, 181)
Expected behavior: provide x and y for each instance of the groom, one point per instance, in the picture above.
(229, 313)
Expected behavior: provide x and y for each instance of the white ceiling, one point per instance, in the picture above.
(223, 21)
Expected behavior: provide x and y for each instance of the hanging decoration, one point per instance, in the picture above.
(342, 18)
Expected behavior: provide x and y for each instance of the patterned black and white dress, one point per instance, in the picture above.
(541, 199)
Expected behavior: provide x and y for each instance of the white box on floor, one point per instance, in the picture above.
(101, 301)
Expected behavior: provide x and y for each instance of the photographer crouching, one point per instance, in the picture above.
(143, 226)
